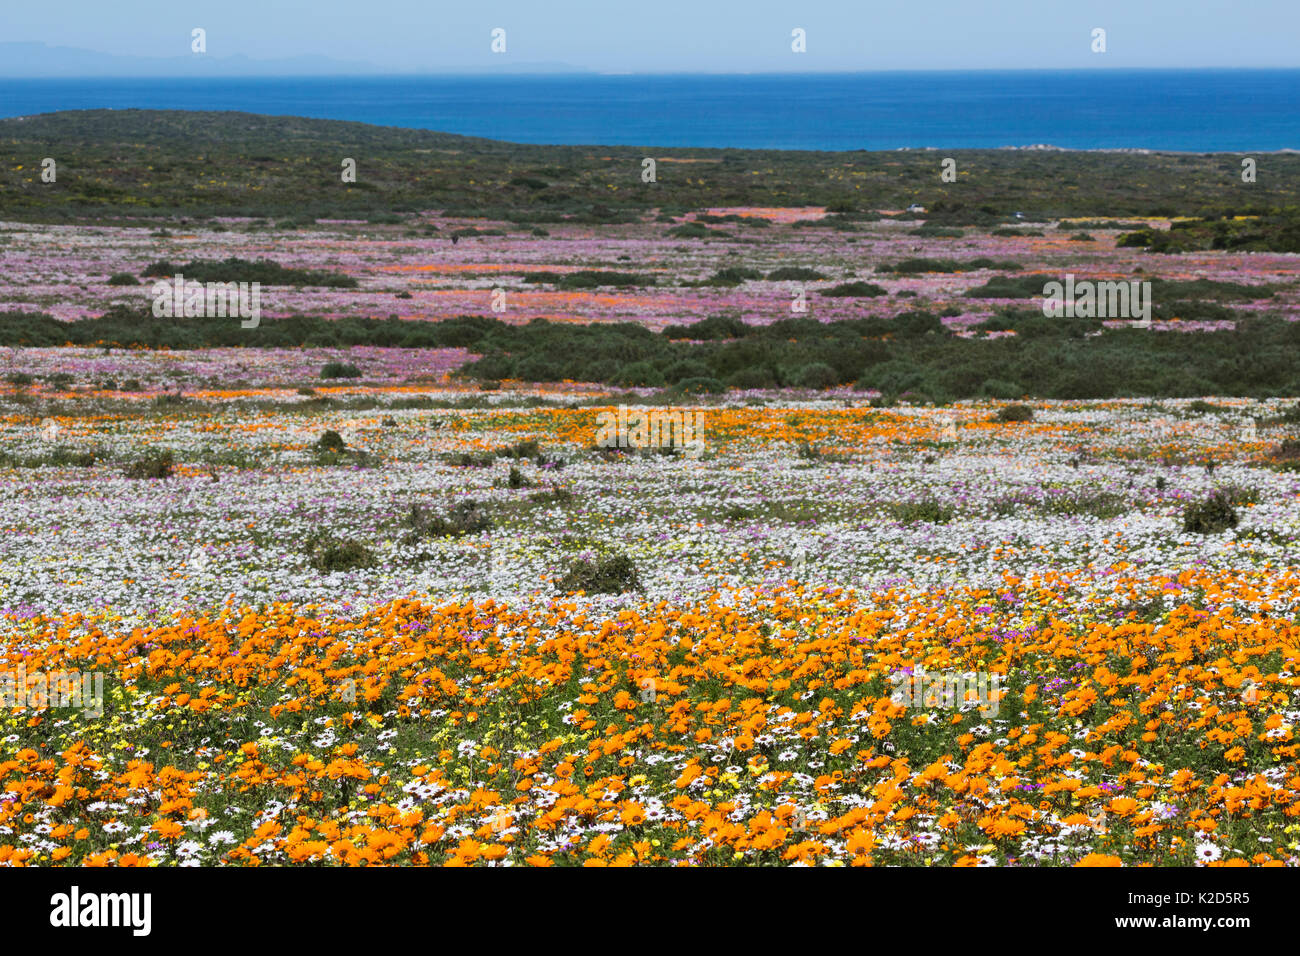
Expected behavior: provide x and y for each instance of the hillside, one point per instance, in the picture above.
(155, 163)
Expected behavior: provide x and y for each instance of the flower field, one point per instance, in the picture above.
(311, 655)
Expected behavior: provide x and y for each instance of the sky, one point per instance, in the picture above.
(694, 36)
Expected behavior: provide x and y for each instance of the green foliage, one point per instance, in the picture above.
(639, 374)
(700, 386)
(287, 159)
(339, 370)
(1099, 504)
(1277, 231)
(609, 574)
(331, 441)
(154, 465)
(1008, 287)
(732, 276)
(235, 269)
(589, 279)
(857, 289)
(527, 448)
(816, 375)
(714, 327)
(61, 456)
(794, 274)
(123, 278)
(927, 512)
(552, 496)
(1212, 516)
(464, 517)
(328, 553)
(1014, 413)
(517, 479)
(689, 230)
(921, 265)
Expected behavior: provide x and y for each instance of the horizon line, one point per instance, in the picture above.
(588, 73)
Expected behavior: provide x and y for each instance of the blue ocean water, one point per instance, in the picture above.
(1182, 110)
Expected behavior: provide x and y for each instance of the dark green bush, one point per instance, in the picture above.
(464, 517)
(794, 274)
(700, 386)
(243, 270)
(690, 230)
(816, 375)
(1014, 413)
(612, 574)
(1212, 516)
(327, 554)
(639, 374)
(155, 464)
(331, 441)
(339, 370)
(927, 512)
(854, 290)
(732, 276)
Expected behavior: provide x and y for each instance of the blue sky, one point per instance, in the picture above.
(683, 35)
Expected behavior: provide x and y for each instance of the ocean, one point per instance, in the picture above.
(1179, 110)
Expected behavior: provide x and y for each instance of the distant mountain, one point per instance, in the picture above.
(38, 60)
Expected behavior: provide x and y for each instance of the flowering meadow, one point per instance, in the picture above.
(418, 274)
(284, 593)
(358, 623)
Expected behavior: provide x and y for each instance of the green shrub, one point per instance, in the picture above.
(927, 512)
(469, 459)
(854, 290)
(1008, 287)
(328, 554)
(732, 276)
(528, 448)
(156, 464)
(552, 496)
(612, 574)
(1014, 413)
(700, 386)
(1100, 504)
(331, 441)
(794, 274)
(639, 374)
(517, 479)
(710, 329)
(752, 377)
(123, 278)
(339, 370)
(922, 265)
(1212, 516)
(997, 388)
(816, 375)
(590, 279)
(464, 517)
(243, 270)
